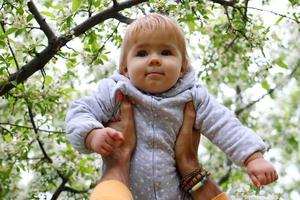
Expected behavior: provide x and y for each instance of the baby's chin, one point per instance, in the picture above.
(153, 87)
(153, 90)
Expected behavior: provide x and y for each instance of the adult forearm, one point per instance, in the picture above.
(207, 192)
(117, 168)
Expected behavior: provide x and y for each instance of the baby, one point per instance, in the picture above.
(154, 72)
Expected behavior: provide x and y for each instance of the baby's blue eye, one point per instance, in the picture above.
(166, 53)
(141, 53)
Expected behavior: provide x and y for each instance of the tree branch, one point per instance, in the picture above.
(104, 43)
(115, 3)
(5, 129)
(62, 187)
(59, 189)
(245, 14)
(10, 48)
(41, 21)
(49, 52)
(36, 133)
(271, 91)
(123, 18)
(46, 156)
(239, 111)
(224, 2)
(275, 13)
(111, 12)
(225, 178)
(69, 189)
(27, 127)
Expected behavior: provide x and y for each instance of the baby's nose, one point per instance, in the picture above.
(155, 60)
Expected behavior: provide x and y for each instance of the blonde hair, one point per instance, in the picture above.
(149, 24)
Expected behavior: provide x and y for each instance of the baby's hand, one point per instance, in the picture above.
(104, 141)
(261, 172)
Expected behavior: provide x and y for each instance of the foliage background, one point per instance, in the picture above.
(247, 53)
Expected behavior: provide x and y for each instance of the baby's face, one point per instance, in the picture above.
(154, 63)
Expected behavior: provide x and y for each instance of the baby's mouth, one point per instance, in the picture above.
(154, 73)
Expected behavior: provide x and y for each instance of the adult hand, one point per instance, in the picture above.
(186, 154)
(118, 162)
(125, 124)
(186, 148)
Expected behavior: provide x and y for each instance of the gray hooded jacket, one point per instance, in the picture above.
(158, 119)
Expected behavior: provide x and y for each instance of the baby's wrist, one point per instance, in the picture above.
(256, 155)
(88, 139)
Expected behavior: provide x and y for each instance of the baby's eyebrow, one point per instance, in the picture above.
(163, 45)
(168, 46)
(140, 46)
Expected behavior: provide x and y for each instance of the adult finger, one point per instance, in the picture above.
(126, 112)
(188, 118)
(188, 123)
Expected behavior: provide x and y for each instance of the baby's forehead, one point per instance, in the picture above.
(154, 38)
(156, 33)
(145, 45)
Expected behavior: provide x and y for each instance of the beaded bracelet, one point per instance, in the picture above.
(199, 184)
(194, 180)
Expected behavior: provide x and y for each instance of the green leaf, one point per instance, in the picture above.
(238, 24)
(296, 17)
(279, 20)
(8, 138)
(29, 18)
(293, 142)
(75, 5)
(49, 14)
(20, 11)
(265, 85)
(18, 32)
(57, 7)
(258, 27)
(279, 61)
(97, 3)
(95, 46)
(8, 32)
(68, 90)
(2, 43)
(92, 38)
(48, 80)
(104, 57)
(294, 2)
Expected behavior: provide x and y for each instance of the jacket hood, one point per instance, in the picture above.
(183, 83)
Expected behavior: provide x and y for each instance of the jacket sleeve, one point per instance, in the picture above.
(223, 129)
(89, 113)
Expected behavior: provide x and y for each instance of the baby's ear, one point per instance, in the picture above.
(123, 70)
(184, 67)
